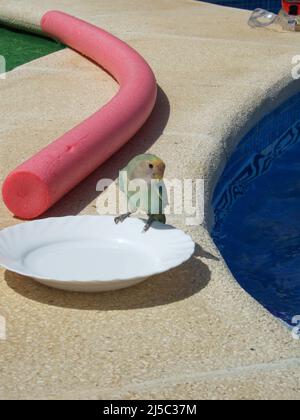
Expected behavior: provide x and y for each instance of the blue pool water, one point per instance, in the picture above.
(272, 5)
(257, 212)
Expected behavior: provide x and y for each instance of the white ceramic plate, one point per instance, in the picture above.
(92, 253)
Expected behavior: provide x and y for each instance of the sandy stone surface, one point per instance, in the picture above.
(189, 333)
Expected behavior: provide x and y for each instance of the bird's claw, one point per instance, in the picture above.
(120, 219)
(148, 224)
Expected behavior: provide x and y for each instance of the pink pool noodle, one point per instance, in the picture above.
(41, 181)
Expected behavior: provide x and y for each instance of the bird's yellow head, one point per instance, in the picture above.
(157, 168)
(148, 167)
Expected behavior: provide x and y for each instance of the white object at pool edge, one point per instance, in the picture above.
(92, 253)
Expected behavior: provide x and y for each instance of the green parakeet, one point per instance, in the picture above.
(142, 182)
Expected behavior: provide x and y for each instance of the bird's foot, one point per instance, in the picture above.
(120, 219)
(148, 224)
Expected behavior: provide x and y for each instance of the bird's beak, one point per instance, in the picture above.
(160, 170)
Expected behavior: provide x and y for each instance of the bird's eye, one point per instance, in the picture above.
(150, 166)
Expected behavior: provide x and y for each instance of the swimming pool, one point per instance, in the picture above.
(257, 211)
(272, 5)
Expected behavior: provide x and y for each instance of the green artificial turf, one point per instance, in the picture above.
(18, 47)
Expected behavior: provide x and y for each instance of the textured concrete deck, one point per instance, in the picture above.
(190, 333)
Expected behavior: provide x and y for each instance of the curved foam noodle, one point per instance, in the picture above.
(41, 181)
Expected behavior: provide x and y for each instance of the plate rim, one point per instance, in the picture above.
(189, 253)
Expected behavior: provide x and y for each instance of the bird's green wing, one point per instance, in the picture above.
(123, 179)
